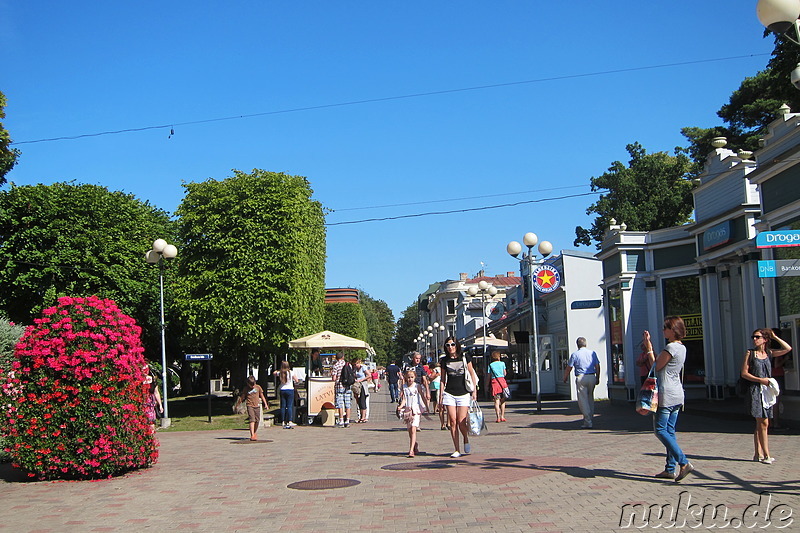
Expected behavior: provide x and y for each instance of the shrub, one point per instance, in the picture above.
(74, 399)
(9, 337)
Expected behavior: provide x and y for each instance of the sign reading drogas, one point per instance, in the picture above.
(778, 239)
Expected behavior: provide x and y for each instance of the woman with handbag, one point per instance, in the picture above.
(669, 364)
(757, 370)
(497, 371)
(458, 390)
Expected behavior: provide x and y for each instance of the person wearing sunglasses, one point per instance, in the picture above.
(669, 364)
(455, 395)
(756, 368)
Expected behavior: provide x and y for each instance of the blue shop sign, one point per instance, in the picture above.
(779, 268)
(718, 235)
(198, 357)
(778, 239)
(586, 304)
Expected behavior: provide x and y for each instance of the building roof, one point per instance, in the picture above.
(498, 281)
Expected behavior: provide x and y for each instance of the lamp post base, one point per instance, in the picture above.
(166, 422)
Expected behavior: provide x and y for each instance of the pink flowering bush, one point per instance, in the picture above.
(72, 403)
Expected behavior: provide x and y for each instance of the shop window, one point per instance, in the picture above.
(682, 298)
(616, 331)
(562, 353)
(788, 287)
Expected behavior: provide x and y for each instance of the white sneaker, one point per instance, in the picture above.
(768, 460)
(455, 455)
(291, 424)
(467, 448)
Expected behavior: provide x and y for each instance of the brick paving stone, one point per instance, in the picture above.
(205, 481)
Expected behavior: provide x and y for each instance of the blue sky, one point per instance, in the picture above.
(77, 68)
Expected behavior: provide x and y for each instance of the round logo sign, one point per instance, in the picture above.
(546, 278)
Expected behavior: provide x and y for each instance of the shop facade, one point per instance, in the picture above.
(707, 272)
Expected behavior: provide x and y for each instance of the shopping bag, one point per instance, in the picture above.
(647, 402)
(476, 422)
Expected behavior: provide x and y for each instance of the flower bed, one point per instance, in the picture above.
(73, 400)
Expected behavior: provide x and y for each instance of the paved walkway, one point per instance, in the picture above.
(537, 472)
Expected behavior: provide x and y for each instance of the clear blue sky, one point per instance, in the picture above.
(76, 68)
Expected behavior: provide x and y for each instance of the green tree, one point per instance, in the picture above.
(79, 240)
(8, 156)
(252, 266)
(406, 331)
(651, 192)
(380, 326)
(346, 318)
(752, 106)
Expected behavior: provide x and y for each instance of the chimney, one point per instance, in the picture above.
(511, 274)
(463, 276)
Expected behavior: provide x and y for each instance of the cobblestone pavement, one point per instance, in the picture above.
(537, 472)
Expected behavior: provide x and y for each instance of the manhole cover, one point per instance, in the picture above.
(499, 433)
(323, 484)
(418, 466)
(248, 441)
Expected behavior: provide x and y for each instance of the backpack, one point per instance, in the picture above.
(348, 376)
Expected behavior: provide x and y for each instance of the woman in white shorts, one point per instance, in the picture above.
(455, 396)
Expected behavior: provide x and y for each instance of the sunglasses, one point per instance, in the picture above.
(757, 337)
(449, 344)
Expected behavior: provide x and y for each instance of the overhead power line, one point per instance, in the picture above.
(466, 210)
(173, 125)
(446, 200)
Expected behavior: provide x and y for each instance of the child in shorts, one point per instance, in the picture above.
(412, 405)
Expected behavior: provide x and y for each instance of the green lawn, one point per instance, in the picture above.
(190, 413)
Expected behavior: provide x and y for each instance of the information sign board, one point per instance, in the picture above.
(198, 357)
(779, 268)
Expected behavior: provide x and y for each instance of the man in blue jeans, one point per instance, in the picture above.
(393, 377)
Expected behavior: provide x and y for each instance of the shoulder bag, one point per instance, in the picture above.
(647, 402)
(468, 382)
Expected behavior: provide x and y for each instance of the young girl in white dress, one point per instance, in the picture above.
(412, 405)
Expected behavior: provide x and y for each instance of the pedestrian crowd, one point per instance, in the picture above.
(447, 390)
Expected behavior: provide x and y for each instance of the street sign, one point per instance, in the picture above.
(198, 357)
(779, 268)
(778, 239)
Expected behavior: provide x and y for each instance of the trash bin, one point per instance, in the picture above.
(327, 415)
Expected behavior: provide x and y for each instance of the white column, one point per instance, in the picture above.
(712, 329)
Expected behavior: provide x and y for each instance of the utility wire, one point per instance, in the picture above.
(467, 210)
(172, 125)
(445, 200)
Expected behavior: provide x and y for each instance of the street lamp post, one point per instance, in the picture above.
(430, 337)
(168, 251)
(436, 341)
(484, 288)
(529, 260)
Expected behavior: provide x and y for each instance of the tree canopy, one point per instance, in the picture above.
(406, 331)
(651, 192)
(79, 240)
(8, 156)
(380, 326)
(752, 106)
(252, 266)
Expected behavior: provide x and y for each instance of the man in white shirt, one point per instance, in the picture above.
(587, 372)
